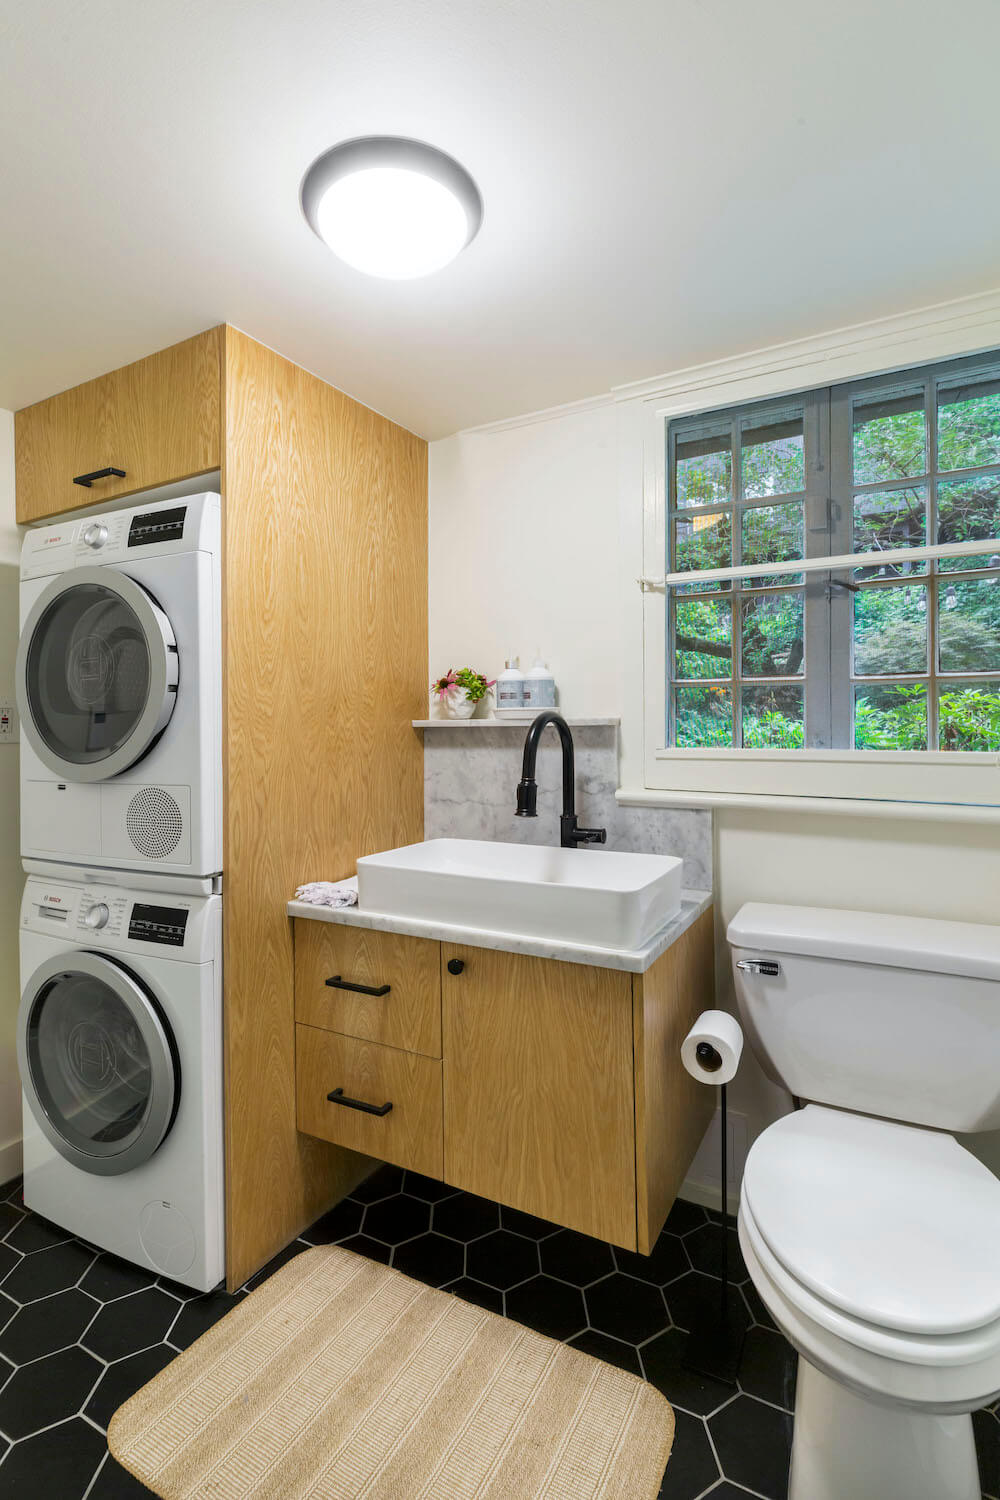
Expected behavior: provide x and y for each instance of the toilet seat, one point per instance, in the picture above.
(882, 1226)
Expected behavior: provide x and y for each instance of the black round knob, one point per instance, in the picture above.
(455, 966)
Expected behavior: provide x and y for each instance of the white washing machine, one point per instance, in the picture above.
(119, 1040)
(119, 688)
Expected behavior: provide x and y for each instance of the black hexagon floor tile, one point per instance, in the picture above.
(663, 1364)
(692, 1466)
(110, 1277)
(704, 1250)
(575, 1258)
(131, 1324)
(465, 1217)
(140, 1322)
(8, 1260)
(427, 1188)
(397, 1219)
(47, 1391)
(551, 1306)
(52, 1270)
(276, 1262)
(612, 1351)
(43, 1327)
(381, 1184)
(627, 1309)
(768, 1368)
(431, 1258)
(339, 1224)
(754, 1442)
(122, 1379)
(502, 1259)
(59, 1462)
(665, 1263)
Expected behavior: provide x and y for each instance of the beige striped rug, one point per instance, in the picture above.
(340, 1379)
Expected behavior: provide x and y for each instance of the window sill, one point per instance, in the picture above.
(936, 812)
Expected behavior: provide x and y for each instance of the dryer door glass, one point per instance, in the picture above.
(99, 676)
(101, 1075)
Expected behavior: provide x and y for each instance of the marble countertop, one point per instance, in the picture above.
(632, 961)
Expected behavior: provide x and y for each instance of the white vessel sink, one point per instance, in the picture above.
(597, 897)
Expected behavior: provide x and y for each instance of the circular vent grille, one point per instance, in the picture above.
(154, 822)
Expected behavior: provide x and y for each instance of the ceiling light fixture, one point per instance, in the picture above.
(391, 207)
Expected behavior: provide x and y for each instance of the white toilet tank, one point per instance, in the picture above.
(885, 1015)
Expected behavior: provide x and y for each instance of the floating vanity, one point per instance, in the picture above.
(539, 1072)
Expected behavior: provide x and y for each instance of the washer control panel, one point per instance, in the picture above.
(121, 919)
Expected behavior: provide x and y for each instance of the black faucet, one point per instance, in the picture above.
(570, 835)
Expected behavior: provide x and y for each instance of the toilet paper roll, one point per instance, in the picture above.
(711, 1050)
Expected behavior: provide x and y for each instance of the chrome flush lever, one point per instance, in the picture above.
(758, 966)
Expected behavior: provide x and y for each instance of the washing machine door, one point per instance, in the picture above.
(96, 674)
(98, 1064)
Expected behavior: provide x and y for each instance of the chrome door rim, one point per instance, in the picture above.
(163, 668)
(165, 1081)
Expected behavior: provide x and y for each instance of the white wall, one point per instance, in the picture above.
(525, 548)
(523, 533)
(11, 877)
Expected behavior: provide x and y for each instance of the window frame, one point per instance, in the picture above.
(871, 353)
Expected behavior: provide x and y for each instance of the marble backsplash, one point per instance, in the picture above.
(470, 781)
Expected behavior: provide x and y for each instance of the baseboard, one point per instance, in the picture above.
(10, 1160)
(707, 1195)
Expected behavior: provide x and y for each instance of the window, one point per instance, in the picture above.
(898, 651)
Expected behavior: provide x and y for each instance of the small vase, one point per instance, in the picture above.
(458, 704)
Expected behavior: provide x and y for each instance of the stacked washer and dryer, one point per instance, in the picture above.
(119, 686)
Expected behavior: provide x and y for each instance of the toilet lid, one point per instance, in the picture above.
(894, 1224)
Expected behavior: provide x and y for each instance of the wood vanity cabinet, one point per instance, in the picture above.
(157, 419)
(559, 1090)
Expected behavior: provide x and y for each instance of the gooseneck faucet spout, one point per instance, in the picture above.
(570, 834)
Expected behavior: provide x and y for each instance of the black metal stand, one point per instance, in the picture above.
(715, 1342)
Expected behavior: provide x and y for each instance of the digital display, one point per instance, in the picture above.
(158, 924)
(157, 526)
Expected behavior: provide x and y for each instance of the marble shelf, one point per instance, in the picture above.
(509, 723)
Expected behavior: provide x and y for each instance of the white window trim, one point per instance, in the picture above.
(931, 783)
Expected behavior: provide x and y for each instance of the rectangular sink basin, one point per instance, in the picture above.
(595, 897)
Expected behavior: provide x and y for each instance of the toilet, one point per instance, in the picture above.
(871, 1234)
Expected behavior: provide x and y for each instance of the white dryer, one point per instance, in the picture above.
(119, 1041)
(119, 688)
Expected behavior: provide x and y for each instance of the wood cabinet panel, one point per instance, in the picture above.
(538, 1088)
(158, 419)
(409, 1016)
(325, 621)
(408, 1135)
(672, 1110)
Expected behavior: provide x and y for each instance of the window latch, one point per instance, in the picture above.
(841, 583)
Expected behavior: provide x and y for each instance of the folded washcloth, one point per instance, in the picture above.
(329, 892)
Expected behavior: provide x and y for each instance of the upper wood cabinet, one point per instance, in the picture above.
(158, 419)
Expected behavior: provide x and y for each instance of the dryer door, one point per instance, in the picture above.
(96, 674)
(98, 1064)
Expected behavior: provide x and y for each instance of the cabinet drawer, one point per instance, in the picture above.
(409, 1134)
(407, 1015)
(157, 419)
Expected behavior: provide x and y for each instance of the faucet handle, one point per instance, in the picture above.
(590, 835)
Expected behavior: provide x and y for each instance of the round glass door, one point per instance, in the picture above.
(97, 1064)
(96, 674)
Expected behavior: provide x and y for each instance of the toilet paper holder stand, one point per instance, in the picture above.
(715, 1340)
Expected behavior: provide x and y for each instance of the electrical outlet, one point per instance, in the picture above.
(8, 723)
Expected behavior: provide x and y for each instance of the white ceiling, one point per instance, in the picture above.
(666, 181)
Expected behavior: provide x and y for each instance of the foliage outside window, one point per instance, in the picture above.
(897, 656)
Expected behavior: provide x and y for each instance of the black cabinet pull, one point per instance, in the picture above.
(455, 966)
(339, 1097)
(336, 983)
(87, 479)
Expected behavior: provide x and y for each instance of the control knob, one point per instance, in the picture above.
(97, 916)
(95, 535)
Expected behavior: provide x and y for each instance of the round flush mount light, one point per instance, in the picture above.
(390, 206)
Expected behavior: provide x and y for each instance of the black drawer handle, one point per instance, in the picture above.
(339, 1097)
(87, 479)
(336, 983)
